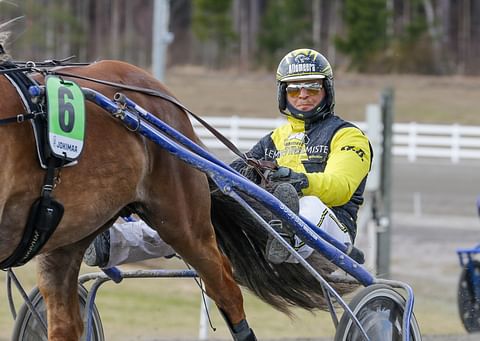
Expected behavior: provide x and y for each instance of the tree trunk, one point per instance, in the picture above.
(65, 41)
(97, 37)
(83, 10)
(390, 25)
(317, 24)
(432, 31)
(444, 32)
(49, 35)
(336, 23)
(244, 35)
(129, 33)
(474, 63)
(255, 8)
(115, 41)
(464, 34)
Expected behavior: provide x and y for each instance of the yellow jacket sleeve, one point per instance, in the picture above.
(347, 165)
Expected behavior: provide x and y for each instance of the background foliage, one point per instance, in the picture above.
(365, 36)
(414, 36)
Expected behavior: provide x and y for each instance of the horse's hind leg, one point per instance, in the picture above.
(57, 273)
(215, 270)
(185, 224)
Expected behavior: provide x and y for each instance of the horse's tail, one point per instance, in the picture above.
(282, 286)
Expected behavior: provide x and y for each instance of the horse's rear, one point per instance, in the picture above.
(118, 169)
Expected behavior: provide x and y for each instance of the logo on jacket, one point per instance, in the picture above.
(295, 144)
(298, 138)
(358, 151)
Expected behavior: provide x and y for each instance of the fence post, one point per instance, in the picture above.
(412, 141)
(161, 37)
(234, 129)
(384, 231)
(369, 223)
(204, 316)
(455, 143)
(374, 131)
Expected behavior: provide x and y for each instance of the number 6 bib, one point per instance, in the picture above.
(66, 118)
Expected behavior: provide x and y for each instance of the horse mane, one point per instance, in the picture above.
(243, 241)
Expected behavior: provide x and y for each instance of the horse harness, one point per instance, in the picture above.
(258, 165)
(46, 213)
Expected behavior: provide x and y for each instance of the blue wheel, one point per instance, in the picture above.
(379, 308)
(468, 302)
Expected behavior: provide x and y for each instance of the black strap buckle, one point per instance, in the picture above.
(20, 118)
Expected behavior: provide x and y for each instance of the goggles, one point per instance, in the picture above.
(312, 88)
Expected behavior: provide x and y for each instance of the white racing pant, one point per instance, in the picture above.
(136, 241)
(315, 211)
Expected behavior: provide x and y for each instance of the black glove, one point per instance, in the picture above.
(285, 174)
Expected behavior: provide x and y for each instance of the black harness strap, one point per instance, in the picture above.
(44, 217)
(17, 119)
(21, 83)
(14, 69)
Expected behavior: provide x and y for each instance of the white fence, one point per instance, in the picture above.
(412, 140)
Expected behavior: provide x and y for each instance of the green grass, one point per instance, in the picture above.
(138, 309)
(166, 309)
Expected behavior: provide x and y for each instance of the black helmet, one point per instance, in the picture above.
(305, 64)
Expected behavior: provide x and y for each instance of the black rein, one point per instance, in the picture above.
(258, 165)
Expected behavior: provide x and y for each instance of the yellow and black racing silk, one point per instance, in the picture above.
(334, 154)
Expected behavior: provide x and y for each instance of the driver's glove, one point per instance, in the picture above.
(285, 174)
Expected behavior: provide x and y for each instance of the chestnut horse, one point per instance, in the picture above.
(120, 169)
(117, 169)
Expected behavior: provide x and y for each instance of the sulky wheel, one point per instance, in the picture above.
(27, 328)
(468, 302)
(379, 308)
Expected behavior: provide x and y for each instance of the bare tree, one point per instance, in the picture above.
(464, 34)
(114, 40)
(317, 24)
(432, 30)
(474, 63)
(444, 31)
(255, 14)
(244, 34)
(324, 26)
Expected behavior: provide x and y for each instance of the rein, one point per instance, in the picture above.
(258, 165)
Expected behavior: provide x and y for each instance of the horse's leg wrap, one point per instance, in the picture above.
(240, 331)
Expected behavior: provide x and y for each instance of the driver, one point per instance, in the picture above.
(322, 162)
